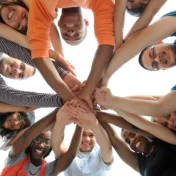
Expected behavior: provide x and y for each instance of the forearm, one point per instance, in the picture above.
(144, 20)
(104, 143)
(119, 16)
(155, 129)
(29, 99)
(128, 51)
(13, 35)
(60, 69)
(120, 122)
(120, 147)
(144, 97)
(100, 63)
(55, 39)
(134, 106)
(57, 138)
(50, 74)
(66, 159)
(10, 108)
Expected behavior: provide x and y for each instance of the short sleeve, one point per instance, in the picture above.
(103, 11)
(11, 161)
(173, 88)
(50, 168)
(39, 23)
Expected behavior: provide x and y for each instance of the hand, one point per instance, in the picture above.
(104, 81)
(87, 100)
(59, 58)
(72, 81)
(86, 120)
(104, 97)
(65, 115)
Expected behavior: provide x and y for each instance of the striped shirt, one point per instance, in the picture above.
(16, 97)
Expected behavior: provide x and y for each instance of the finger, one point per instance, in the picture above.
(74, 102)
(75, 88)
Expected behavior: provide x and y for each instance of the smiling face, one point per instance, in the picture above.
(88, 141)
(41, 145)
(160, 56)
(72, 27)
(135, 141)
(167, 121)
(15, 16)
(15, 69)
(14, 122)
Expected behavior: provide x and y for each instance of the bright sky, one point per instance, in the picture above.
(131, 79)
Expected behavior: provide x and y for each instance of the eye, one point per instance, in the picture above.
(65, 34)
(18, 26)
(21, 75)
(127, 141)
(165, 124)
(77, 35)
(19, 117)
(38, 139)
(132, 134)
(155, 65)
(47, 142)
(168, 117)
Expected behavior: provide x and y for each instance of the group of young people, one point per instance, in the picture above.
(27, 30)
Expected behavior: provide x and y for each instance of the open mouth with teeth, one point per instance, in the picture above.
(39, 151)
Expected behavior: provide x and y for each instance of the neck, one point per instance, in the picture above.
(36, 162)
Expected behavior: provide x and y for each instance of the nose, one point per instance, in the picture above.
(86, 139)
(41, 144)
(16, 72)
(15, 123)
(71, 32)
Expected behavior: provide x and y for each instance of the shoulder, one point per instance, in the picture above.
(12, 161)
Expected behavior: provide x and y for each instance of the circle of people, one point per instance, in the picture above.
(27, 31)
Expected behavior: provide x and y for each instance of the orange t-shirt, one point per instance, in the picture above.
(43, 12)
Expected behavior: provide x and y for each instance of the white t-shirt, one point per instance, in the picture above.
(88, 164)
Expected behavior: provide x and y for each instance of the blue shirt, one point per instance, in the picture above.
(88, 164)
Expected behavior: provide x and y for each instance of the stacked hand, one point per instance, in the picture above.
(77, 112)
(104, 97)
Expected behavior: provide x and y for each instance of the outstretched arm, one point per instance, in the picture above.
(101, 60)
(63, 118)
(119, 16)
(156, 108)
(88, 120)
(16, 97)
(155, 129)
(32, 132)
(13, 35)
(121, 148)
(144, 20)
(120, 122)
(10, 108)
(66, 158)
(127, 51)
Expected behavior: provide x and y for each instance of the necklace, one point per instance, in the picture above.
(31, 168)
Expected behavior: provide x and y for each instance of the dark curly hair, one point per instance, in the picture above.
(137, 12)
(29, 118)
(17, 2)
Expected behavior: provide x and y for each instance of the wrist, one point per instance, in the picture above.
(95, 125)
(113, 102)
